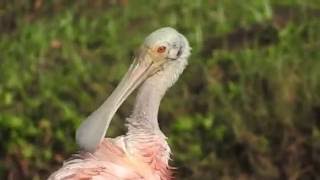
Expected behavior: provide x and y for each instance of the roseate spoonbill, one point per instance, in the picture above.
(143, 152)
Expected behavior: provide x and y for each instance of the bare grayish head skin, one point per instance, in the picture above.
(164, 53)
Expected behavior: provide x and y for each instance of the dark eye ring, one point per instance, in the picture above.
(161, 49)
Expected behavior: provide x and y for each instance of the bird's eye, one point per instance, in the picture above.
(161, 49)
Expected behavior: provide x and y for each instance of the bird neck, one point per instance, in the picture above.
(144, 139)
(145, 113)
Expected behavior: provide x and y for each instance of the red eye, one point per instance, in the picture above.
(161, 49)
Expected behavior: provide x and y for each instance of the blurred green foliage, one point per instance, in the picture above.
(247, 106)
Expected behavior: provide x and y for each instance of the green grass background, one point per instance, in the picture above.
(247, 106)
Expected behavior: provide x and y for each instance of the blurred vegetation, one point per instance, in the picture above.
(247, 106)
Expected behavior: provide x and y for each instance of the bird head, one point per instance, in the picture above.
(163, 54)
(165, 51)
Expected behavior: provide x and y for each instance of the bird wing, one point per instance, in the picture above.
(90, 169)
(108, 162)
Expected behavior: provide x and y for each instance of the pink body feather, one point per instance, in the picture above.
(112, 161)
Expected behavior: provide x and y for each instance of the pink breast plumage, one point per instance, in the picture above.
(112, 162)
